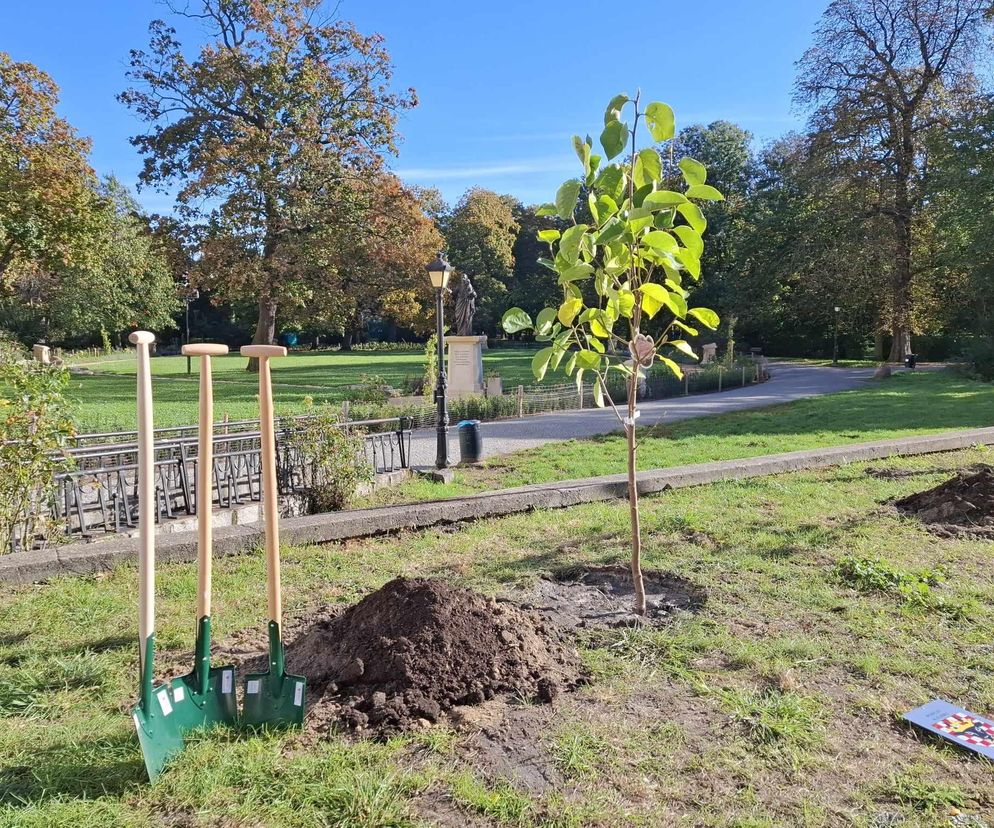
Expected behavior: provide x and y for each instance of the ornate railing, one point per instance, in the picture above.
(97, 493)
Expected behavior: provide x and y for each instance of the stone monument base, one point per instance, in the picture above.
(465, 368)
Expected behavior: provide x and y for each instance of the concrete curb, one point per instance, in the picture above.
(82, 559)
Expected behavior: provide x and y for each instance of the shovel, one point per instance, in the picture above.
(272, 698)
(159, 732)
(208, 693)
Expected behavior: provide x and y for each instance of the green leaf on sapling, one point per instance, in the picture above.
(613, 138)
(566, 198)
(695, 218)
(614, 108)
(707, 317)
(540, 362)
(660, 120)
(704, 192)
(515, 320)
(694, 172)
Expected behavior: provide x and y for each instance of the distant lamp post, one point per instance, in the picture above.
(835, 338)
(439, 272)
(188, 295)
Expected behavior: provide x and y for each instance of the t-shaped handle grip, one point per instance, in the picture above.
(204, 349)
(263, 351)
(141, 337)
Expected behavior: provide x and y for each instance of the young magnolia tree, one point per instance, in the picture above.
(624, 273)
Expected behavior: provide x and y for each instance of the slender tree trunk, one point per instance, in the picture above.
(265, 328)
(901, 287)
(633, 498)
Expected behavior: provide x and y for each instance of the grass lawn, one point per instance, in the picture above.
(905, 404)
(776, 704)
(106, 400)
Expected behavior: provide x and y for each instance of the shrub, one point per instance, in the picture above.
(979, 358)
(333, 457)
(431, 366)
(375, 345)
(371, 388)
(34, 423)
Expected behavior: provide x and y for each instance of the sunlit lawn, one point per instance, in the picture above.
(778, 704)
(105, 401)
(905, 404)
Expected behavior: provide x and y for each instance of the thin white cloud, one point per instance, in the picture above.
(493, 170)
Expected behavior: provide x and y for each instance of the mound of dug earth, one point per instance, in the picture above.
(964, 504)
(416, 648)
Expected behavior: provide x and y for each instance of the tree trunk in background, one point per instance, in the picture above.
(265, 328)
(900, 345)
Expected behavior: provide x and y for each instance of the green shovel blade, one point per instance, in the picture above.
(274, 698)
(206, 695)
(201, 700)
(158, 734)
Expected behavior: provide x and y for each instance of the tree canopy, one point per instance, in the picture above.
(271, 133)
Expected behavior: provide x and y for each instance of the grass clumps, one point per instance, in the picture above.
(914, 787)
(778, 719)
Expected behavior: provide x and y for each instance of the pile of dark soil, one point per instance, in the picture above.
(603, 596)
(416, 648)
(962, 505)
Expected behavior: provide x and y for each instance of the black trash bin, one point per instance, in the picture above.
(470, 441)
(910, 361)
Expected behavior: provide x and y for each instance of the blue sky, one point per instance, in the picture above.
(502, 86)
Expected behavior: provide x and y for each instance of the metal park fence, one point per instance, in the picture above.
(97, 492)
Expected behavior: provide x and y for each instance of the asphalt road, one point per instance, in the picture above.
(788, 381)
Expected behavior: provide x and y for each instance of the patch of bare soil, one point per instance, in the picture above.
(900, 474)
(963, 505)
(603, 596)
(416, 648)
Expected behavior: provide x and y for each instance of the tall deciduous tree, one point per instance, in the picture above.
(375, 268)
(46, 183)
(481, 233)
(124, 282)
(880, 76)
(265, 131)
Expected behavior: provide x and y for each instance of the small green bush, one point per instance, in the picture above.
(371, 388)
(430, 377)
(34, 424)
(333, 457)
(375, 345)
(978, 357)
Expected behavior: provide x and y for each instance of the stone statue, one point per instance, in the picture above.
(465, 298)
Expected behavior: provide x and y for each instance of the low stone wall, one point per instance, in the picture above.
(26, 567)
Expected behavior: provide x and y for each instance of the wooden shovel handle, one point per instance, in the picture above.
(204, 349)
(205, 473)
(270, 495)
(146, 493)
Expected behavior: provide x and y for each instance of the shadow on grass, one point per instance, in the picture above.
(103, 645)
(106, 767)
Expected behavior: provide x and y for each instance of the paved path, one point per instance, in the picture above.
(788, 381)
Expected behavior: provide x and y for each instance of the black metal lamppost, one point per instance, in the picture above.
(439, 272)
(835, 338)
(189, 295)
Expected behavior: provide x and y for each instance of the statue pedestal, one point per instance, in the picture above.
(465, 369)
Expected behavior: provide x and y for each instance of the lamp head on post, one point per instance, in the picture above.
(837, 308)
(439, 272)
